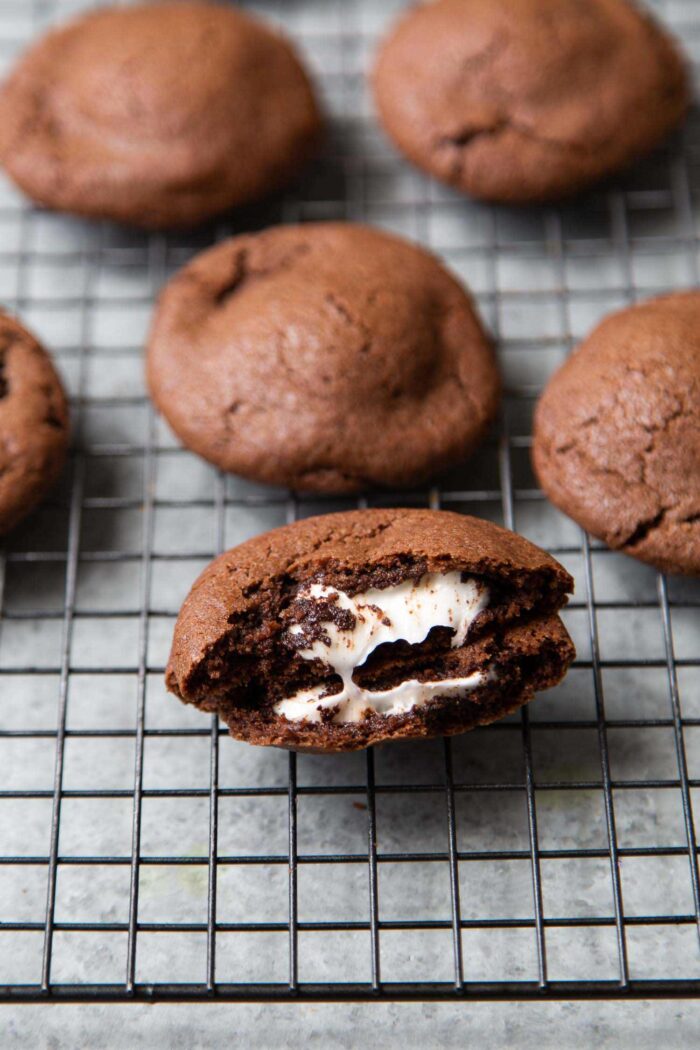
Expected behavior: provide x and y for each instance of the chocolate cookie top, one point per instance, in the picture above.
(33, 423)
(156, 114)
(340, 631)
(324, 357)
(523, 100)
(617, 433)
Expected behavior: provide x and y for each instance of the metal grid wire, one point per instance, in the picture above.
(144, 854)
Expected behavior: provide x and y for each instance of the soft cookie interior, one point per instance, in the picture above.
(347, 657)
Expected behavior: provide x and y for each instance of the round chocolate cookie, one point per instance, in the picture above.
(525, 100)
(324, 357)
(617, 433)
(157, 114)
(33, 423)
(342, 631)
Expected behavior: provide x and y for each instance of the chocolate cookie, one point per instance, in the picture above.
(617, 433)
(325, 357)
(157, 114)
(341, 631)
(33, 423)
(525, 100)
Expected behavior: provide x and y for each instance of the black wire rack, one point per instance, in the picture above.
(143, 854)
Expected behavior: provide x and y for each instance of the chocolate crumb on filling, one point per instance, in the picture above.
(312, 618)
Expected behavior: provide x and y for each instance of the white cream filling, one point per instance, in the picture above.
(407, 612)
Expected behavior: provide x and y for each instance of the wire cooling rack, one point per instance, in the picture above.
(143, 854)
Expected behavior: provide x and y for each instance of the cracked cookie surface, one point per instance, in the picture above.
(525, 100)
(159, 114)
(326, 357)
(617, 433)
(33, 423)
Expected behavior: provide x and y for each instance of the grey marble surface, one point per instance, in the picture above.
(514, 1026)
(148, 516)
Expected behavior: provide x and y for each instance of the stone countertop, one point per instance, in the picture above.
(498, 1026)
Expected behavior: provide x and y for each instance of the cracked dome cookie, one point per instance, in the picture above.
(157, 114)
(325, 357)
(617, 433)
(342, 631)
(33, 423)
(526, 100)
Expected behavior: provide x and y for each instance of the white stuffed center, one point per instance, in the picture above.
(407, 612)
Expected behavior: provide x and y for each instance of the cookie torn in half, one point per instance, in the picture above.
(342, 631)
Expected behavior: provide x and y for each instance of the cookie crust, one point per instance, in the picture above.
(528, 100)
(157, 114)
(325, 357)
(617, 433)
(33, 423)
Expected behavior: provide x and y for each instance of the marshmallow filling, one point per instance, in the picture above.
(350, 647)
(342, 632)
